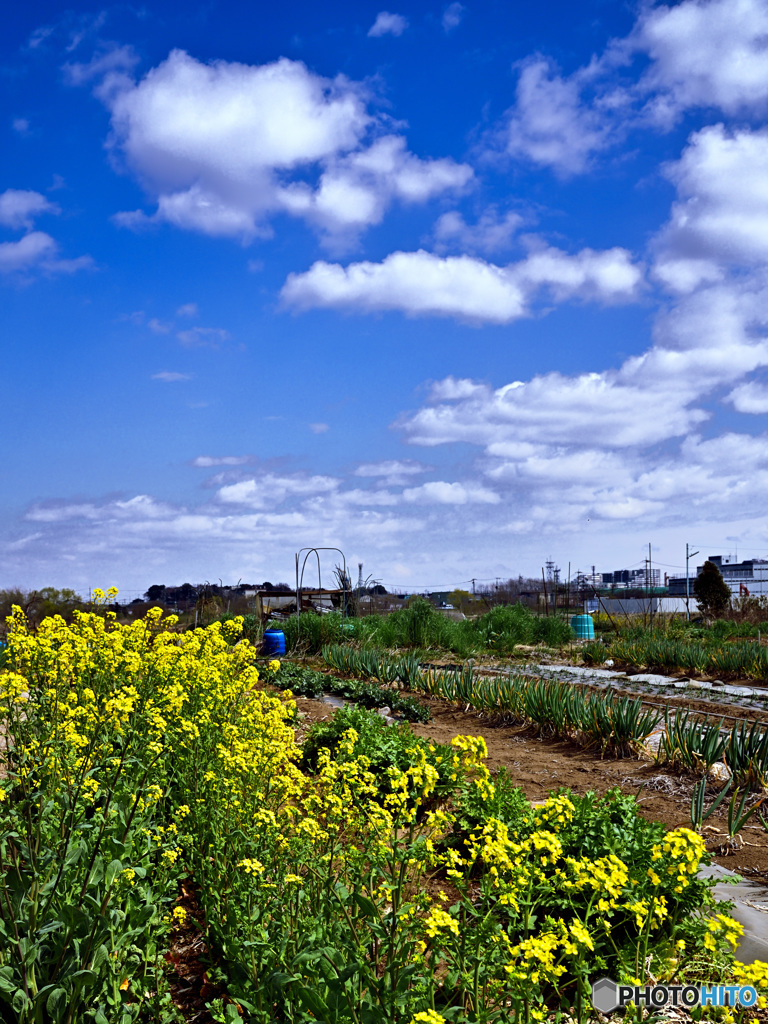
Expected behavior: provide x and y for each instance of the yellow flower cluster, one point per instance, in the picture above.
(755, 974)
(439, 919)
(722, 928)
(681, 851)
(427, 1017)
(556, 812)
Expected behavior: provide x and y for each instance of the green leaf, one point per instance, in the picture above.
(113, 870)
(312, 1000)
(57, 1003)
(21, 1001)
(367, 906)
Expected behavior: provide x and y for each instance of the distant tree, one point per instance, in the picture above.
(711, 590)
(156, 592)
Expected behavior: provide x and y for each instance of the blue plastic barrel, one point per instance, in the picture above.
(583, 627)
(274, 642)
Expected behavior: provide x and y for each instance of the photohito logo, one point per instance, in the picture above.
(608, 996)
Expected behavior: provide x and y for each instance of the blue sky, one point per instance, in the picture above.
(456, 288)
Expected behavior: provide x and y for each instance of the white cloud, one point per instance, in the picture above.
(421, 283)
(702, 53)
(550, 125)
(223, 147)
(38, 251)
(171, 376)
(208, 461)
(491, 233)
(20, 125)
(751, 397)
(188, 309)
(452, 16)
(705, 53)
(440, 492)
(388, 24)
(34, 249)
(319, 428)
(721, 215)
(203, 337)
(270, 490)
(19, 207)
(391, 471)
(355, 191)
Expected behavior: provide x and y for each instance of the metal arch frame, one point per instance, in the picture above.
(300, 578)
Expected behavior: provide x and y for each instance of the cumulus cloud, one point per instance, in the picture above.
(388, 24)
(699, 53)
(270, 489)
(421, 283)
(20, 207)
(188, 309)
(319, 428)
(223, 147)
(704, 53)
(721, 214)
(355, 191)
(38, 251)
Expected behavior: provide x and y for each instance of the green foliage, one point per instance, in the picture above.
(594, 652)
(422, 627)
(305, 682)
(709, 657)
(689, 743)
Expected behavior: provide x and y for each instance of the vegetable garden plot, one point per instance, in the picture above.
(138, 756)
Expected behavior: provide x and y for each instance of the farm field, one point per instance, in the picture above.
(169, 811)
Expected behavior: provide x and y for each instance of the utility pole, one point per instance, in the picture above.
(688, 554)
(650, 586)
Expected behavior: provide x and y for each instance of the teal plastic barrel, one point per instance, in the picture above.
(583, 627)
(273, 642)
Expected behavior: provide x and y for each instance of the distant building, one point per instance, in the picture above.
(745, 579)
(624, 579)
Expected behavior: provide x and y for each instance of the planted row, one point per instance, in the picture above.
(743, 659)
(689, 743)
(614, 724)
